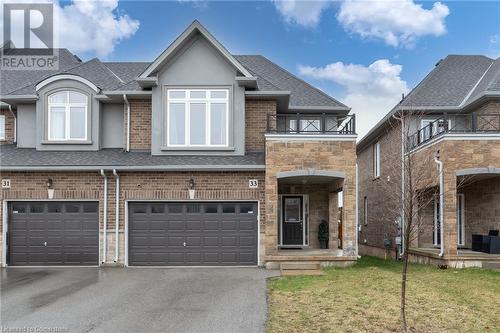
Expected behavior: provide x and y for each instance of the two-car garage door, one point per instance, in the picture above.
(192, 234)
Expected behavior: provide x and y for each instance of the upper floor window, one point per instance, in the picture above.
(67, 116)
(376, 160)
(2, 127)
(197, 117)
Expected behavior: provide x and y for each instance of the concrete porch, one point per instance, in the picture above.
(463, 259)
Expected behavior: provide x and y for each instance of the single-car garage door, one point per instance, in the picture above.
(53, 233)
(192, 234)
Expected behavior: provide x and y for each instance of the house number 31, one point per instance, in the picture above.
(5, 183)
(253, 183)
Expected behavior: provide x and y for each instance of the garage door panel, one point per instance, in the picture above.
(69, 229)
(215, 233)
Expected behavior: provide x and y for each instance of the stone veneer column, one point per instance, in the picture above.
(450, 213)
(271, 238)
(349, 215)
(333, 216)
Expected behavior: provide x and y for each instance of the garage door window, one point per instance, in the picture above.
(157, 208)
(211, 208)
(36, 208)
(90, 208)
(140, 209)
(72, 208)
(19, 208)
(175, 208)
(55, 208)
(246, 208)
(228, 209)
(193, 208)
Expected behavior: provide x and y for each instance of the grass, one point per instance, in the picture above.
(365, 298)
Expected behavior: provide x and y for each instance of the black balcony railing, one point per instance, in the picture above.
(455, 123)
(306, 123)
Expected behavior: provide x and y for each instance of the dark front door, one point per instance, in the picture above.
(193, 234)
(293, 222)
(53, 233)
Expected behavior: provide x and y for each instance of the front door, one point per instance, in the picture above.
(293, 233)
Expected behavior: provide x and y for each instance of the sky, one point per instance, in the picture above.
(365, 54)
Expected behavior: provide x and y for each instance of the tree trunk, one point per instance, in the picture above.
(403, 292)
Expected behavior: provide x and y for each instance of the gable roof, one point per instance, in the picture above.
(455, 84)
(180, 41)
(122, 77)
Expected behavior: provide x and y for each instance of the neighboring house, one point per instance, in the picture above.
(198, 158)
(454, 115)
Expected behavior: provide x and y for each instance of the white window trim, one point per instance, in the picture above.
(187, 102)
(376, 160)
(461, 216)
(66, 107)
(2, 130)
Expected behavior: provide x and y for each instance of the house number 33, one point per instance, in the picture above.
(253, 183)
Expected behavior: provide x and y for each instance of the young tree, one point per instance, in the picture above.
(411, 185)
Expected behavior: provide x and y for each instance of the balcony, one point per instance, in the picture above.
(307, 123)
(456, 124)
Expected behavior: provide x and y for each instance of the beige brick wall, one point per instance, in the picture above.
(140, 124)
(9, 126)
(136, 186)
(256, 112)
(289, 155)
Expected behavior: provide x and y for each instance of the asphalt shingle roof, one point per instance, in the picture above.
(302, 93)
(12, 157)
(450, 82)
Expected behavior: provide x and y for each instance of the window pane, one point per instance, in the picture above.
(177, 94)
(2, 127)
(60, 97)
(218, 94)
(177, 129)
(198, 94)
(197, 124)
(246, 208)
(175, 208)
(140, 208)
(72, 208)
(36, 208)
(211, 208)
(19, 208)
(158, 208)
(228, 208)
(55, 207)
(192, 208)
(57, 123)
(218, 124)
(90, 207)
(76, 97)
(77, 123)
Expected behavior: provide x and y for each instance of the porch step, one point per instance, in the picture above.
(301, 268)
(491, 265)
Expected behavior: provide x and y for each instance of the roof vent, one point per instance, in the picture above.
(437, 63)
(77, 58)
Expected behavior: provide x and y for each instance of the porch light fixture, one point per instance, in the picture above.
(191, 189)
(50, 190)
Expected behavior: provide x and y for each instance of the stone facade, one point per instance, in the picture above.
(290, 155)
(9, 126)
(256, 112)
(140, 124)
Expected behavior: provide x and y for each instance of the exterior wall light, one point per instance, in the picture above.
(50, 190)
(191, 189)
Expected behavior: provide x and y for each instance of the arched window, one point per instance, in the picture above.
(67, 116)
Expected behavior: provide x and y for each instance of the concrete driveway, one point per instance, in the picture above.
(135, 299)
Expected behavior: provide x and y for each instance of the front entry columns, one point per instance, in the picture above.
(271, 238)
(450, 214)
(333, 218)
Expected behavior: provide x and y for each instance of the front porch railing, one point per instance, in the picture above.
(306, 123)
(455, 123)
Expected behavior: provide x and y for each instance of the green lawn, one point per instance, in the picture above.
(365, 298)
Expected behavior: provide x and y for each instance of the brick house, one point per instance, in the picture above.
(198, 158)
(452, 117)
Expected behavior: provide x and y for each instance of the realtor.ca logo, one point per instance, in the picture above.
(28, 35)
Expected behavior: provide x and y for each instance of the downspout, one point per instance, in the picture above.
(357, 214)
(441, 196)
(105, 216)
(117, 212)
(15, 123)
(403, 201)
(128, 121)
